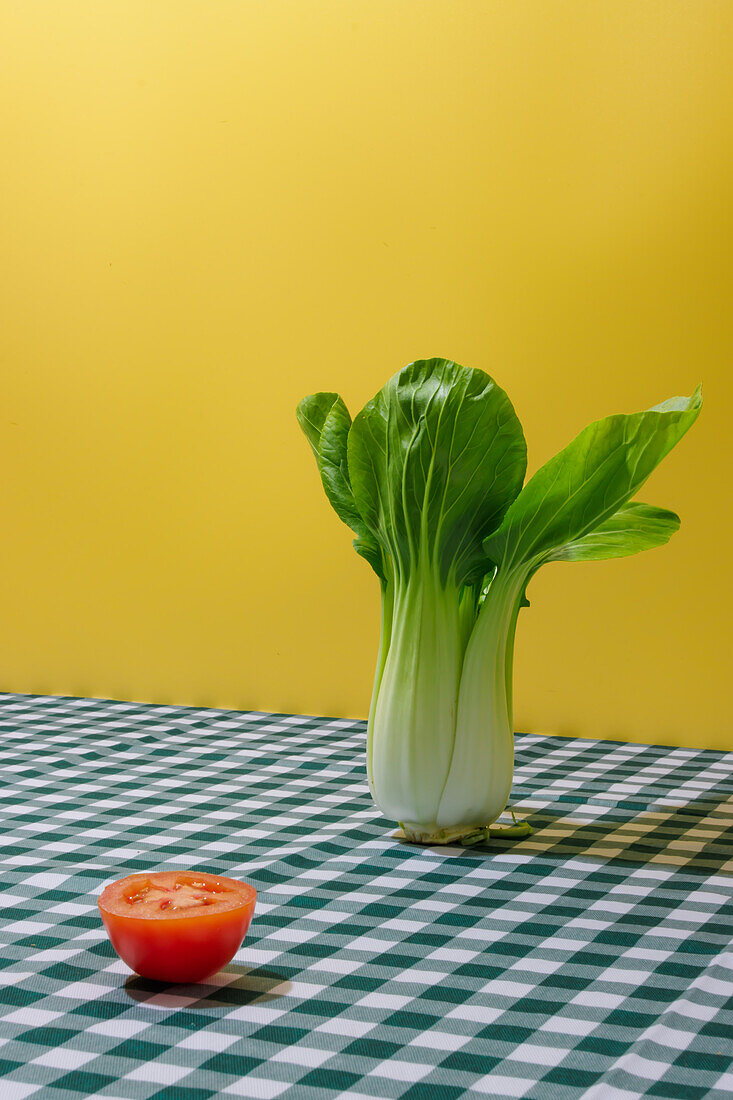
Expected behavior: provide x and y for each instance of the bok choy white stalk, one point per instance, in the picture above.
(429, 477)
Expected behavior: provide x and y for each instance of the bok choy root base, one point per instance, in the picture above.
(430, 478)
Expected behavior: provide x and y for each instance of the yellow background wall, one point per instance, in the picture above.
(209, 209)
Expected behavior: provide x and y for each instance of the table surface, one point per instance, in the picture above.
(588, 960)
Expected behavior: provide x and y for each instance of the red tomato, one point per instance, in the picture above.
(177, 926)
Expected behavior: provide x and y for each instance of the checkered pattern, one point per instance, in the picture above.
(589, 960)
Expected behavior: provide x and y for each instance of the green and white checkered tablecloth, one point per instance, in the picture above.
(590, 960)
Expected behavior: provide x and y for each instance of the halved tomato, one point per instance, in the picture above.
(177, 926)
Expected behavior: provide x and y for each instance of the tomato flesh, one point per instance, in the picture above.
(177, 926)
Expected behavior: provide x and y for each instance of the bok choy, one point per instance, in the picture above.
(430, 478)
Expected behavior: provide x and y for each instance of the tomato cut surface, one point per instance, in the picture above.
(177, 926)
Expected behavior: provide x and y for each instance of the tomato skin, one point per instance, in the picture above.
(176, 947)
